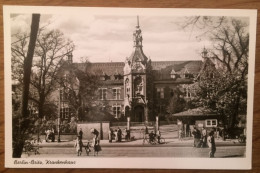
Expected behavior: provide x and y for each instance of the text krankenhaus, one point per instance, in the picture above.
(46, 162)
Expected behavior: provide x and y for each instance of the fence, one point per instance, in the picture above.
(133, 124)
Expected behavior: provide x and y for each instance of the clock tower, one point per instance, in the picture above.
(135, 80)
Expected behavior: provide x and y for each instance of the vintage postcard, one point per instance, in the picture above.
(128, 87)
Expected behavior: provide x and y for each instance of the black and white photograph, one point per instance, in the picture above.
(129, 88)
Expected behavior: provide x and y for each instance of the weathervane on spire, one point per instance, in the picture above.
(138, 35)
(138, 21)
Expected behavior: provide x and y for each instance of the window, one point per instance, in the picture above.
(102, 93)
(161, 108)
(116, 93)
(171, 92)
(160, 93)
(211, 123)
(138, 86)
(116, 110)
(65, 112)
(187, 92)
(187, 75)
(127, 87)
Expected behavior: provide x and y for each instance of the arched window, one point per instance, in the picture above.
(138, 85)
(127, 87)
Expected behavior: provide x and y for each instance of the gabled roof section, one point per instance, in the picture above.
(206, 63)
(163, 69)
(196, 112)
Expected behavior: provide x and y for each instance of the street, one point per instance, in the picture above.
(151, 151)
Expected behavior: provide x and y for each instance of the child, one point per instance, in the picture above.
(78, 145)
(87, 148)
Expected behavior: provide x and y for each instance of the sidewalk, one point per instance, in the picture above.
(174, 142)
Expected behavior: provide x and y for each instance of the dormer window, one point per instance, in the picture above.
(173, 74)
(187, 74)
(104, 76)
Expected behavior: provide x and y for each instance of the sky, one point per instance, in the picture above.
(109, 38)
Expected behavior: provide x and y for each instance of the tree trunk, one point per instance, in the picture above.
(18, 146)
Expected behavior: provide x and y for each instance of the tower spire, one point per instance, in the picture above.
(138, 21)
(138, 35)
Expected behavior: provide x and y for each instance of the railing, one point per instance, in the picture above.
(150, 123)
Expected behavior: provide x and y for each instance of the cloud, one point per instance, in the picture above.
(110, 38)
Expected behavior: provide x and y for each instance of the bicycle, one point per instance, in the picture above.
(160, 141)
(29, 147)
(148, 140)
(154, 140)
(242, 139)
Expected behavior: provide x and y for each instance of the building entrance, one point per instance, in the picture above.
(138, 114)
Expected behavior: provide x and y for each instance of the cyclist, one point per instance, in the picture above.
(151, 136)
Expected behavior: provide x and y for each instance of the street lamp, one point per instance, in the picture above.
(59, 117)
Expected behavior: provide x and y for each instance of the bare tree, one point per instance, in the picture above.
(51, 50)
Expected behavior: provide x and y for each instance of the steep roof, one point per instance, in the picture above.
(162, 68)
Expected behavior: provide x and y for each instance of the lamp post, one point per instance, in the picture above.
(145, 108)
(59, 117)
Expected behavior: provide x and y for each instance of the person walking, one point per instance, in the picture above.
(110, 135)
(211, 144)
(196, 135)
(204, 137)
(96, 145)
(80, 133)
(94, 132)
(127, 134)
(78, 145)
(180, 133)
(119, 134)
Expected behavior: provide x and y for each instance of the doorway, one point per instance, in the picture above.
(139, 114)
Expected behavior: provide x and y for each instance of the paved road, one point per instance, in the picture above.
(222, 152)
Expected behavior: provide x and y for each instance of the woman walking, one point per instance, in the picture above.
(96, 145)
(78, 145)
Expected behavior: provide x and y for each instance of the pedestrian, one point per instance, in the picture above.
(151, 137)
(119, 134)
(146, 130)
(211, 144)
(188, 130)
(94, 132)
(180, 134)
(47, 132)
(128, 134)
(87, 148)
(116, 135)
(203, 138)
(80, 133)
(78, 145)
(110, 135)
(96, 145)
(196, 135)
